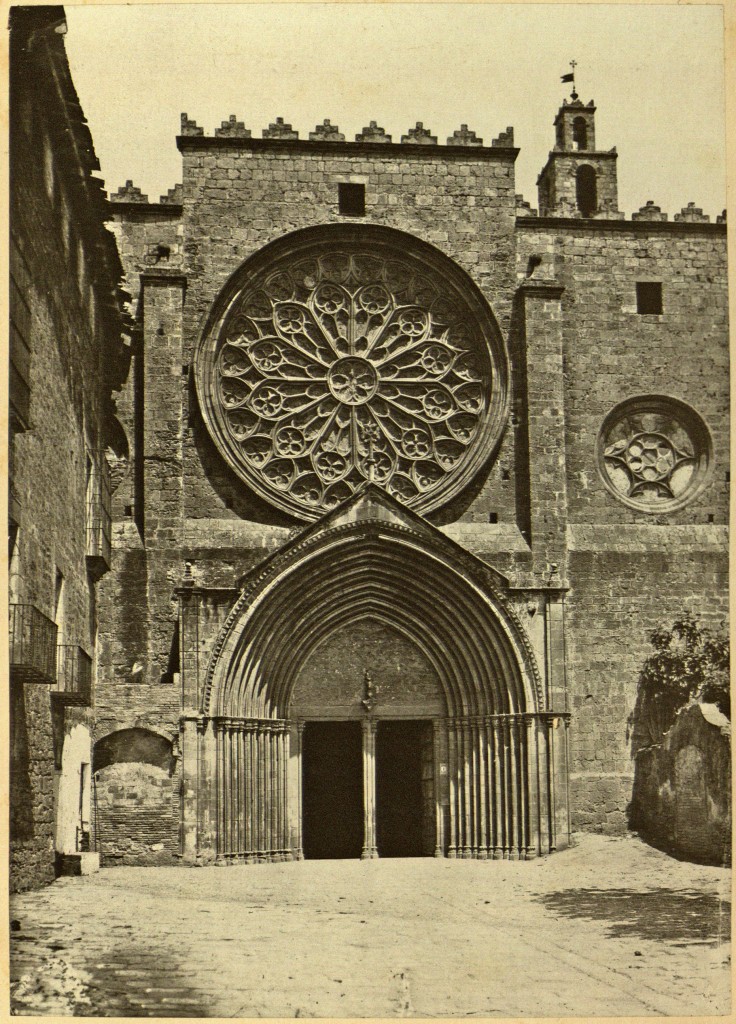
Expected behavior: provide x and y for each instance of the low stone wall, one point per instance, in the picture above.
(682, 788)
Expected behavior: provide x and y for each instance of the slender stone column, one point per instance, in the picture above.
(439, 818)
(203, 786)
(270, 793)
(284, 781)
(261, 792)
(269, 802)
(247, 792)
(467, 792)
(253, 792)
(513, 794)
(499, 766)
(490, 786)
(480, 745)
(531, 784)
(463, 744)
(370, 849)
(207, 798)
(300, 787)
(545, 827)
(232, 738)
(277, 743)
(452, 775)
(221, 839)
(239, 792)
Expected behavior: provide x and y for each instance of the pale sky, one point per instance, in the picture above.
(655, 73)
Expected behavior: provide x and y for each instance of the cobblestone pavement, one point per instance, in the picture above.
(610, 927)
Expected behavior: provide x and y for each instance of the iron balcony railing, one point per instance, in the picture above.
(99, 518)
(73, 675)
(32, 645)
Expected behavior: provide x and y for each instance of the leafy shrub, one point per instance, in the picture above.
(690, 663)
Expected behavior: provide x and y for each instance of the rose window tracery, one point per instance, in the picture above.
(338, 365)
(654, 453)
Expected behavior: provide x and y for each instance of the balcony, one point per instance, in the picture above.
(73, 676)
(99, 519)
(32, 645)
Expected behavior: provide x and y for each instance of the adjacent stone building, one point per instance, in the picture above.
(405, 473)
(67, 355)
(414, 471)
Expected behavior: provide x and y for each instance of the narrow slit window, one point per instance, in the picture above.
(351, 199)
(648, 297)
(580, 133)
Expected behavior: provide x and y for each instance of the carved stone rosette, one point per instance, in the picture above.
(346, 339)
(654, 453)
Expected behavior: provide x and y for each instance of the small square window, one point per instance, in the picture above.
(351, 199)
(648, 297)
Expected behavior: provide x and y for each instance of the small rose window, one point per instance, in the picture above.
(654, 453)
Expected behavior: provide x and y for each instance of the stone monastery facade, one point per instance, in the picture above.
(405, 473)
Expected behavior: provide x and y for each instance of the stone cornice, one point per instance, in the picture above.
(639, 227)
(389, 150)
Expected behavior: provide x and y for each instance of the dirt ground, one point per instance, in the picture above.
(608, 928)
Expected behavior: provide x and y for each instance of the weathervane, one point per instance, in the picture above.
(570, 77)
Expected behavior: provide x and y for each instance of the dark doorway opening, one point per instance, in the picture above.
(404, 789)
(332, 790)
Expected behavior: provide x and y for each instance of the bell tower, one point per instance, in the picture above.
(578, 180)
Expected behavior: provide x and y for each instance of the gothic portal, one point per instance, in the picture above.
(436, 708)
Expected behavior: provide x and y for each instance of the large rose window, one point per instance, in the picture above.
(337, 364)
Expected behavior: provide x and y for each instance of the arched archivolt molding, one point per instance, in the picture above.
(391, 572)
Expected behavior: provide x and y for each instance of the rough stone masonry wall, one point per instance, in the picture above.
(631, 571)
(613, 353)
(31, 787)
(136, 814)
(682, 789)
(49, 476)
(621, 589)
(238, 199)
(138, 610)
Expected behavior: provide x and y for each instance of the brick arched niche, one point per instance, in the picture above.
(343, 353)
(369, 622)
(135, 798)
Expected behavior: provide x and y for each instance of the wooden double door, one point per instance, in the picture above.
(368, 789)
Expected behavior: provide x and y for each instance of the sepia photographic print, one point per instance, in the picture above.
(368, 492)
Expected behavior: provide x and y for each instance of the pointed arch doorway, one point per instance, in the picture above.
(365, 699)
(330, 631)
